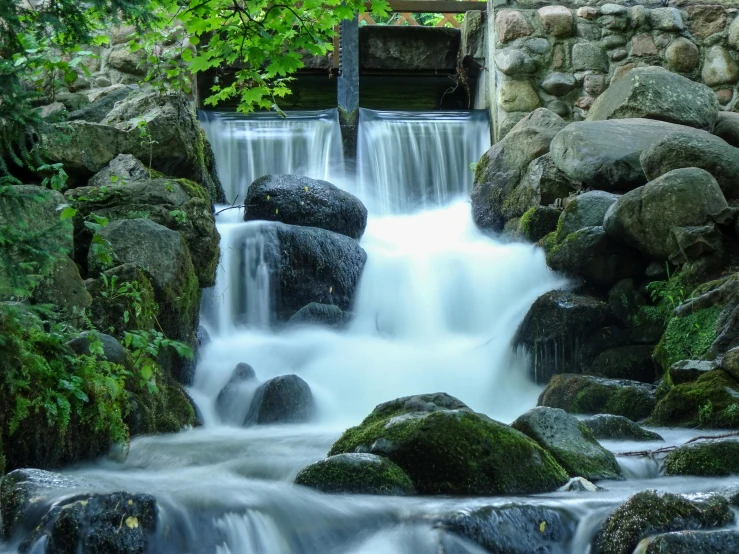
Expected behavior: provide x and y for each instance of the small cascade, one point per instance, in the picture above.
(412, 160)
(248, 147)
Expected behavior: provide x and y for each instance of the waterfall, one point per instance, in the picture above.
(412, 160)
(248, 147)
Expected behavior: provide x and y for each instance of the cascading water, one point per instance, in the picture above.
(436, 309)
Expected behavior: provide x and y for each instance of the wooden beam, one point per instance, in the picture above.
(435, 6)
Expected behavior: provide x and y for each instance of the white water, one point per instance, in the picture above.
(436, 309)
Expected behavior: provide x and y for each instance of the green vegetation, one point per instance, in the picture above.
(705, 459)
(357, 474)
(687, 337)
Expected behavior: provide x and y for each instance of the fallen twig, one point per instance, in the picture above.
(665, 449)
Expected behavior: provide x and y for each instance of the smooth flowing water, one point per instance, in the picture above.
(436, 309)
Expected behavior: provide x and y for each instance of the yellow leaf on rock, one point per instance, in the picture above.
(132, 522)
(277, 211)
(306, 189)
(542, 526)
(268, 197)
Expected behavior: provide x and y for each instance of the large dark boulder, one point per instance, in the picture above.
(727, 127)
(695, 542)
(655, 93)
(613, 427)
(719, 458)
(298, 200)
(605, 155)
(446, 448)
(569, 442)
(356, 474)
(584, 210)
(319, 314)
(632, 361)
(651, 512)
(113, 351)
(585, 394)
(514, 529)
(98, 109)
(694, 149)
(646, 218)
(591, 255)
(553, 328)
(501, 168)
(283, 399)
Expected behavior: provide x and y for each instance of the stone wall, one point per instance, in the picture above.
(563, 56)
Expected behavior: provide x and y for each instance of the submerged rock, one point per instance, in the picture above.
(655, 93)
(613, 427)
(569, 442)
(579, 484)
(298, 200)
(694, 542)
(319, 314)
(585, 394)
(652, 512)
(719, 458)
(283, 399)
(514, 529)
(356, 474)
(229, 394)
(446, 448)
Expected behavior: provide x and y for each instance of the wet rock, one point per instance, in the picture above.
(97, 110)
(425, 434)
(319, 314)
(510, 25)
(113, 351)
(356, 474)
(513, 529)
(687, 371)
(591, 255)
(169, 411)
(228, 397)
(605, 155)
(585, 394)
(625, 299)
(518, 96)
(694, 149)
(682, 56)
(298, 200)
(695, 542)
(588, 56)
(651, 512)
(584, 210)
(579, 484)
(314, 265)
(554, 325)
(613, 427)
(646, 217)
(116, 523)
(711, 402)
(501, 168)
(730, 363)
(538, 222)
(284, 399)
(632, 362)
(569, 442)
(719, 67)
(655, 93)
(716, 458)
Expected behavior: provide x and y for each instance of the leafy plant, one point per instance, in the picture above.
(57, 180)
(179, 216)
(147, 141)
(145, 347)
(705, 412)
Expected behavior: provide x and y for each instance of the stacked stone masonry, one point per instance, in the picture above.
(563, 57)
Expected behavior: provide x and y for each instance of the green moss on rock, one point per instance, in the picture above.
(710, 402)
(454, 451)
(705, 459)
(548, 242)
(356, 474)
(168, 411)
(538, 222)
(687, 337)
(652, 512)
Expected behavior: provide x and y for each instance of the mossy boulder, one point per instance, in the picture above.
(513, 528)
(538, 222)
(169, 410)
(446, 448)
(584, 210)
(651, 512)
(687, 371)
(570, 443)
(613, 427)
(710, 402)
(356, 474)
(688, 336)
(585, 394)
(633, 361)
(555, 324)
(694, 542)
(706, 459)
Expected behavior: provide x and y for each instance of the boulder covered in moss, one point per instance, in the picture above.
(584, 210)
(651, 512)
(569, 442)
(356, 474)
(586, 394)
(613, 427)
(632, 361)
(283, 399)
(687, 371)
(298, 200)
(501, 168)
(168, 410)
(554, 326)
(513, 528)
(694, 542)
(590, 254)
(446, 448)
(711, 402)
(538, 222)
(719, 458)
(688, 336)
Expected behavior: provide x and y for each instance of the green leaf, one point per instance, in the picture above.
(68, 213)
